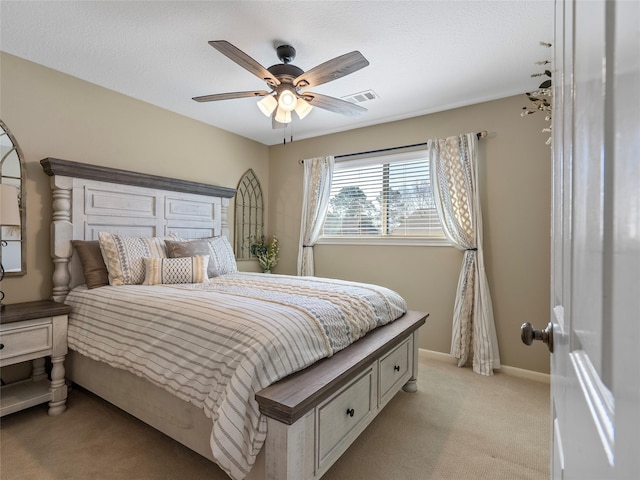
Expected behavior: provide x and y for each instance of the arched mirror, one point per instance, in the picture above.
(12, 237)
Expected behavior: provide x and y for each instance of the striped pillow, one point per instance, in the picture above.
(175, 270)
(123, 256)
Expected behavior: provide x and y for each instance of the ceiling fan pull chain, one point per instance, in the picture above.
(284, 133)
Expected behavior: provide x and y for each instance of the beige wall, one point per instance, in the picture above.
(515, 169)
(55, 115)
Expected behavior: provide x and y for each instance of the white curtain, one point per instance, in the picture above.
(318, 173)
(454, 167)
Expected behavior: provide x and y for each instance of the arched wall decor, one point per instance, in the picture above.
(13, 249)
(249, 214)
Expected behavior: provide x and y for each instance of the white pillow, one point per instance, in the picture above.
(123, 256)
(175, 270)
(223, 260)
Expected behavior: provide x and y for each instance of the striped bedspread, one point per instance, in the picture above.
(217, 344)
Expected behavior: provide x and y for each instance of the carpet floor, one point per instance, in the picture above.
(459, 425)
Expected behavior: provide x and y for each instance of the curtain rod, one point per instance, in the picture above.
(481, 134)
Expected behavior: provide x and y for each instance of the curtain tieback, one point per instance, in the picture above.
(471, 250)
(307, 246)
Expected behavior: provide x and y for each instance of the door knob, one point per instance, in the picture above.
(528, 334)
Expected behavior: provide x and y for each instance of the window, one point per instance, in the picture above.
(249, 214)
(383, 199)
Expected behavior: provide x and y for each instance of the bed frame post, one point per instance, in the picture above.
(61, 234)
(285, 450)
(224, 208)
(412, 384)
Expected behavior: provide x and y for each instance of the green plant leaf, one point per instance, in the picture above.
(545, 84)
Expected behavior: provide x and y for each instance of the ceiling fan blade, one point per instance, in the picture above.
(332, 70)
(244, 60)
(230, 95)
(334, 104)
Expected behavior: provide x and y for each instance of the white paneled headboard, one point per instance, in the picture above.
(89, 199)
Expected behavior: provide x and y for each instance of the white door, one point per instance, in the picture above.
(595, 285)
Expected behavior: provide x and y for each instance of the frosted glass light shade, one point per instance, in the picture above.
(9, 209)
(283, 116)
(303, 108)
(287, 100)
(267, 105)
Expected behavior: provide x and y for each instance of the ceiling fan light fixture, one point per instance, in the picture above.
(287, 100)
(267, 105)
(283, 116)
(286, 81)
(303, 108)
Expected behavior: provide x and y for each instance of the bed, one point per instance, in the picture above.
(299, 419)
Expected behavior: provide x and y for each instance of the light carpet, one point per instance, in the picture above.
(459, 425)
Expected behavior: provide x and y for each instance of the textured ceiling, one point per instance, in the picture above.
(425, 56)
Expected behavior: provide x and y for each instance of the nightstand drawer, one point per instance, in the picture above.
(29, 340)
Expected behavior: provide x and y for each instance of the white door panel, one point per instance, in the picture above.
(595, 285)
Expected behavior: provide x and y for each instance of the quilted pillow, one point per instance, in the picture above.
(175, 270)
(222, 260)
(93, 267)
(123, 256)
(222, 256)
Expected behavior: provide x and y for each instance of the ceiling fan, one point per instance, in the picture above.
(287, 81)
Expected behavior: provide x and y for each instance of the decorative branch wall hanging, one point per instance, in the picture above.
(542, 98)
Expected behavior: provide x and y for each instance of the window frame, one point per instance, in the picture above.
(382, 239)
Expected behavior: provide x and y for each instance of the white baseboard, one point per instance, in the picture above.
(507, 370)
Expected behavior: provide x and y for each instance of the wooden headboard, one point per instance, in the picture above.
(88, 199)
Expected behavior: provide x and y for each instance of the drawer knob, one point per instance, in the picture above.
(1, 346)
(396, 368)
(351, 412)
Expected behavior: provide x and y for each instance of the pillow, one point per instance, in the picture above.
(123, 256)
(93, 267)
(222, 256)
(222, 260)
(175, 270)
(190, 248)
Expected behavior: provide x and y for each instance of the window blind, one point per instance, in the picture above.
(383, 196)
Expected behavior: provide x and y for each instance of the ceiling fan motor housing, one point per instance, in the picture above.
(286, 53)
(285, 72)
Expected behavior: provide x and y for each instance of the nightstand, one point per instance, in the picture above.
(32, 331)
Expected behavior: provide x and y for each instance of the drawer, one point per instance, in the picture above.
(395, 368)
(343, 416)
(26, 342)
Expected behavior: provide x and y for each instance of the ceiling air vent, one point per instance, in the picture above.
(361, 97)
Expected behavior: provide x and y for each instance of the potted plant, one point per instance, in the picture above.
(266, 253)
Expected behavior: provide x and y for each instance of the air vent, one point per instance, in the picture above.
(361, 97)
